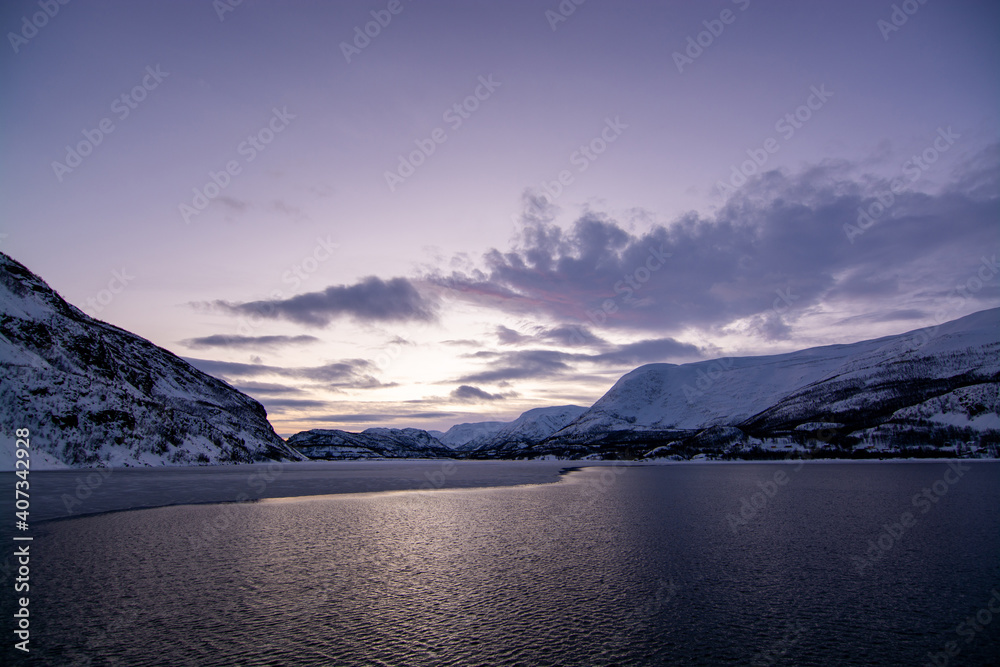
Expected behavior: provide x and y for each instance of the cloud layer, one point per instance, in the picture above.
(257, 342)
(779, 246)
(349, 373)
(370, 300)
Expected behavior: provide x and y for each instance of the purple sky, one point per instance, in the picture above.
(386, 241)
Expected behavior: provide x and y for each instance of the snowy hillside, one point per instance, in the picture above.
(460, 435)
(529, 429)
(945, 375)
(95, 395)
(489, 439)
(373, 443)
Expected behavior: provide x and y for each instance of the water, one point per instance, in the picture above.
(610, 566)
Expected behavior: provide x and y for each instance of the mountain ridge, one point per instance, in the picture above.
(93, 394)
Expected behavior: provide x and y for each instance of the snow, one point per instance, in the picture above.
(731, 390)
(39, 459)
(96, 394)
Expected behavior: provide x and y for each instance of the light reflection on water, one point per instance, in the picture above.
(638, 567)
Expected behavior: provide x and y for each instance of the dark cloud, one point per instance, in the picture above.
(906, 314)
(267, 388)
(525, 364)
(349, 373)
(371, 300)
(566, 335)
(648, 351)
(469, 394)
(399, 340)
(779, 246)
(292, 211)
(223, 340)
(508, 336)
(519, 365)
(771, 327)
(233, 203)
(283, 404)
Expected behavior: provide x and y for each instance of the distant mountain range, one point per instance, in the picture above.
(480, 440)
(373, 443)
(92, 394)
(931, 387)
(95, 395)
(932, 391)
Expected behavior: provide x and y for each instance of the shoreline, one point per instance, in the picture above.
(82, 492)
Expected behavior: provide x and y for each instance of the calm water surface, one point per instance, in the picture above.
(624, 566)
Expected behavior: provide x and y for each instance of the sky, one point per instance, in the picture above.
(417, 214)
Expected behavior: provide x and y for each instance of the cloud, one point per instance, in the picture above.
(906, 314)
(648, 351)
(538, 363)
(519, 365)
(379, 417)
(349, 373)
(266, 388)
(292, 211)
(564, 334)
(224, 340)
(778, 247)
(469, 394)
(463, 342)
(284, 404)
(370, 300)
(233, 203)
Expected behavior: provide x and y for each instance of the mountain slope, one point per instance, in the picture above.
(96, 395)
(460, 435)
(372, 443)
(531, 428)
(855, 387)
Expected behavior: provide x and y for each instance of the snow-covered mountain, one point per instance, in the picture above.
(372, 443)
(490, 439)
(460, 435)
(92, 394)
(888, 391)
(531, 428)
